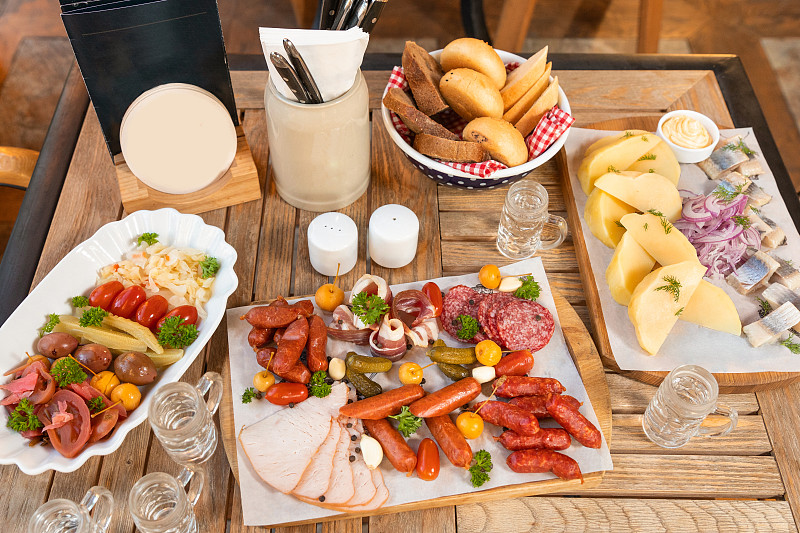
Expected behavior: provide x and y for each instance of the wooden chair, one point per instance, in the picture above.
(16, 166)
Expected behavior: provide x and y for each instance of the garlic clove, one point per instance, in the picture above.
(371, 451)
(509, 284)
(336, 368)
(483, 374)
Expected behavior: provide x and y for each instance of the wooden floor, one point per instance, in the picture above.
(709, 26)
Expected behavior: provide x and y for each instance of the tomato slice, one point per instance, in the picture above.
(104, 295)
(88, 393)
(151, 310)
(45, 384)
(126, 302)
(103, 424)
(187, 312)
(428, 460)
(286, 393)
(434, 294)
(69, 439)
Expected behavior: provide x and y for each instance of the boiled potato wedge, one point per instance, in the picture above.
(712, 308)
(618, 155)
(602, 214)
(113, 340)
(660, 160)
(667, 248)
(629, 266)
(644, 191)
(659, 299)
(605, 141)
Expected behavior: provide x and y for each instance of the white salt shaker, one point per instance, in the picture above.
(393, 235)
(333, 241)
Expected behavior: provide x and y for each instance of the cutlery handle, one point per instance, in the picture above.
(327, 12)
(357, 14)
(342, 14)
(306, 79)
(373, 14)
(288, 74)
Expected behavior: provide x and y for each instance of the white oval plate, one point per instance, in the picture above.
(77, 274)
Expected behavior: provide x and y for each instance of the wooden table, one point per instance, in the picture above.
(747, 481)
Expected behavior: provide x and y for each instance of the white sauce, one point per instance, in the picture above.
(686, 132)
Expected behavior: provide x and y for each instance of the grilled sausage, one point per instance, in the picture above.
(273, 316)
(512, 386)
(291, 345)
(545, 438)
(297, 374)
(306, 306)
(394, 445)
(317, 340)
(264, 357)
(573, 421)
(509, 416)
(538, 461)
(538, 404)
(447, 399)
(517, 363)
(382, 405)
(259, 337)
(450, 440)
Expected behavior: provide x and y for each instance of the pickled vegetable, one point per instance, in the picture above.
(365, 364)
(454, 372)
(365, 386)
(453, 356)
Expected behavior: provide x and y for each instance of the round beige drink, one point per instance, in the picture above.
(686, 132)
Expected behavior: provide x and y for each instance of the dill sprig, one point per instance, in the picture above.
(726, 194)
(612, 168)
(794, 347)
(647, 157)
(672, 287)
(740, 146)
(742, 221)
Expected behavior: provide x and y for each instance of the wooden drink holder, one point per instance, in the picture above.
(238, 185)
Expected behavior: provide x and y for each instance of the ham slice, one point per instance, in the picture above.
(281, 447)
(381, 494)
(316, 477)
(340, 486)
(362, 482)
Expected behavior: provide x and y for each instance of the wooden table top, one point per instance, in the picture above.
(748, 480)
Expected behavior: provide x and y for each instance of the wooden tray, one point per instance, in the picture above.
(590, 368)
(728, 383)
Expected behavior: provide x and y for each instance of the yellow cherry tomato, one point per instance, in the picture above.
(329, 297)
(470, 424)
(410, 374)
(128, 394)
(105, 381)
(489, 276)
(488, 352)
(263, 380)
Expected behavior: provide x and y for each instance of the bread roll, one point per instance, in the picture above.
(460, 151)
(477, 55)
(529, 98)
(423, 74)
(471, 94)
(521, 79)
(503, 142)
(400, 102)
(546, 101)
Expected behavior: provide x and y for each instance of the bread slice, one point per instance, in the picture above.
(521, 107)
(521, 79)
(423, 74)
(545, 103)
(459, 151)
(400, 102)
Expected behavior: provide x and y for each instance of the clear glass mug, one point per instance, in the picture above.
(183, 421)
(683, 400)
(66, 516)
(523, 220)
(159, 503)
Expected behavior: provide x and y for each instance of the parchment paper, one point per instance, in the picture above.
(263, 505)
(689, 343)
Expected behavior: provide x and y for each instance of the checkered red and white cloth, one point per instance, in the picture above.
(552, 125)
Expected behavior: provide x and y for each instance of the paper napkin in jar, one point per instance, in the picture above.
(333, 57)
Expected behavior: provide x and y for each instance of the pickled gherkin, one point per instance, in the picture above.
(365, 386)
(454, 372)
(453, 356)
(365, 364)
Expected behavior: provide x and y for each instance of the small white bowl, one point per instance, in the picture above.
(691, 155)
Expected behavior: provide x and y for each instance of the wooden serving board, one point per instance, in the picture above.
(590, 368)
(728, 383)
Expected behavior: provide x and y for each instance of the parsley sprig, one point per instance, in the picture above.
(93, 317)
(317, 387)
(80, 301)
(67, 371)
(208, 267)
(794, 347)
(529, 290)
(22, 418)
(369, 307)
(52, 320)
(468, 328)
(249, 394)
(175, 334)
(96, 404)
(481, 466)
(149, 238)
(408, 424)
(673, 287)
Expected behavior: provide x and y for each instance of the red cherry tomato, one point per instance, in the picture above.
(428, 460)
(126, 302)
(104, 295)
(69, 439)
(151, 310)
(434, 294)
(286, 393)
(187, 312)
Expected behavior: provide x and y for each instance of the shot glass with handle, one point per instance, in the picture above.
(92, 515)
(682, 402)
(160, 503)
(183, 421)
(525, 219)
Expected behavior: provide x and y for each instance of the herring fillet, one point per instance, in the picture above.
(769, 328)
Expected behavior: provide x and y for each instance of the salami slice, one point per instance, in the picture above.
(488, 309)
(461, 300)
(525, 325)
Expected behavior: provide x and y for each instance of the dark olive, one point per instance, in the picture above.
(96, 357)
(54, 345)
(135, 367)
